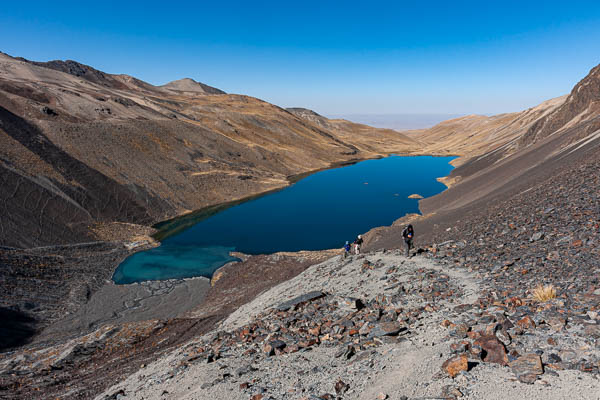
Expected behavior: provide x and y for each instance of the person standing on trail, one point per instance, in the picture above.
(346, 249)
(408, 234)
(357, 244)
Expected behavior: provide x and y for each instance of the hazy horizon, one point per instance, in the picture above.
(397, 121)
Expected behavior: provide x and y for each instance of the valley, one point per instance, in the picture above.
(90, 161)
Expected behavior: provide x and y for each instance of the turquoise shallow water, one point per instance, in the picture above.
(321, 211)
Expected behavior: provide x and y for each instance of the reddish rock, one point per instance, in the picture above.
(315, 331)
(490, 329)
(586, 366)
(455, 364)
(493, 350)
(308, 343)
(387, 329)
(268, 350)
(292, 348)
(526, 323)
(527, 368)
(446, 323)
(365, 328)
(244, 332)
(515, 302)
(473, 334)
(459, 331)
(460, 347)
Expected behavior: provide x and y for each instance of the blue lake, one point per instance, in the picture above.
(321, 211)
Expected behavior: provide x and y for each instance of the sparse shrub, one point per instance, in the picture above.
(544, 293)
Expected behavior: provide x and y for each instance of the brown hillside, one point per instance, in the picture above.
(474, 135)
(81, 147)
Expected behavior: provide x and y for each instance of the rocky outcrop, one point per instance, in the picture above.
(81, 71)
(580, 110)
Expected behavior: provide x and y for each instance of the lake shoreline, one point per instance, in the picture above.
(346, 207)
(217, 207)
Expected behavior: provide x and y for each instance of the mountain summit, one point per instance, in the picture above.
(190, 85)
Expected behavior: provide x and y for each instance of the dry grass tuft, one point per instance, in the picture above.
(544, 293)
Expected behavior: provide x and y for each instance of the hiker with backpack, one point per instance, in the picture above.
(408, 234)
(357, 244)
(346, 250)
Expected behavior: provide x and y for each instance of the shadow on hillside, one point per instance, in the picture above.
(17, 328)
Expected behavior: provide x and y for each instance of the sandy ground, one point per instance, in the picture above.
(410, 367)
(116, 304)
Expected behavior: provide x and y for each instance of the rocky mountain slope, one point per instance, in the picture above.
(81, 147)
(382, 326)
(515, 165)
(541, 141)
(574, 118)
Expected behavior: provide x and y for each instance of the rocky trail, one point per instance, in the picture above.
(373, 326)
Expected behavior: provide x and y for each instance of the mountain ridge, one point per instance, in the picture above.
(115, 81)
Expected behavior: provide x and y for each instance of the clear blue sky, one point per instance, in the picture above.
(337, 58)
